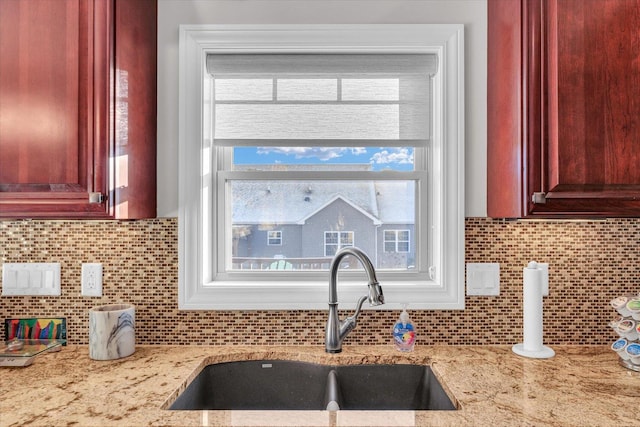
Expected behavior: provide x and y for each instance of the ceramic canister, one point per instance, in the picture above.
(111, 331)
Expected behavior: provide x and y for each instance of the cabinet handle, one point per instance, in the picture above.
(96, 198)
(538, 198)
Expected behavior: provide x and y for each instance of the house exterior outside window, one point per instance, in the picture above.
(396, 241)
(336, 240)
(274, 238)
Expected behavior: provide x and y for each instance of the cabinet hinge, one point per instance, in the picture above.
(539, 198)
(96, 198)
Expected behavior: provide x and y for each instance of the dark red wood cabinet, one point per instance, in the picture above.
(78, 108)
(563, 108)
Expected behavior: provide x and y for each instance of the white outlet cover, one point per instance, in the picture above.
(91, 279)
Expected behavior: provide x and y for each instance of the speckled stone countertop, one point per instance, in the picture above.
(580, 386)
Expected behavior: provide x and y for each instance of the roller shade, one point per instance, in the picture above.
(321, 99)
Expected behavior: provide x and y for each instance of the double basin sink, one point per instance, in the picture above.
(293, 385)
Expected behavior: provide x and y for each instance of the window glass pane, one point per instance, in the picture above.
(319, 217)
(330, 251)
(390, 240)
(323, 158)
(274, 238)
(331, 238)
(346, 239)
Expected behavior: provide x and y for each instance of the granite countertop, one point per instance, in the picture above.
(580, 386)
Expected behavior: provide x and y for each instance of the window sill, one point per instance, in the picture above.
(313, 295)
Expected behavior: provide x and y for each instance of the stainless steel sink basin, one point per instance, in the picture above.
(289, 385)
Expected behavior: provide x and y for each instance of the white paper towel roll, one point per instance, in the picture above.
(532, 307)
(532, 346)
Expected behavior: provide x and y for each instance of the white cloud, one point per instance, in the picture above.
(321, 153)
(395, 155)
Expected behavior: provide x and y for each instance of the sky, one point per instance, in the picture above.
(380, 158)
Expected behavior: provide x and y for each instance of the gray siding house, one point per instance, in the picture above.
(279, 224)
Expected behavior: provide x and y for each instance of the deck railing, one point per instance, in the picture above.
(250, 263)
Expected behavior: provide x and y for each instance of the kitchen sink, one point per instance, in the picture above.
(291, 385)
(385, 387)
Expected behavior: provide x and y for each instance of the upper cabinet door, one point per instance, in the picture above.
(69, 109)
(564, 133)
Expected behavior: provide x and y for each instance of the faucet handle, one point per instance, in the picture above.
(348, 324)
(376, 297)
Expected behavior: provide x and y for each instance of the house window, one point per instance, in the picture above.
(274, 238)
(357, 131)
(336, 240)
(396, 241)
(318, 138)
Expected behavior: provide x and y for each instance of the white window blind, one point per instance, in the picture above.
(321, 99)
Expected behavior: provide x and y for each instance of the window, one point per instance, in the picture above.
(396, 241)
(314, 139)
(336, 240)
(342, 124)
(274, 238)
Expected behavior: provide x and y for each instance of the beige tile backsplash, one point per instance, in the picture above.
(590, 263)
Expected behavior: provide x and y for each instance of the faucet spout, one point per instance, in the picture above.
(337, 330)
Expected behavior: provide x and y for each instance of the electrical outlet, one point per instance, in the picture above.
(92, 279)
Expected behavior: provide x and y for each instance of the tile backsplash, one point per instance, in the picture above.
(590, 262)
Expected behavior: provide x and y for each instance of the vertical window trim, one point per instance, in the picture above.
(199, 288)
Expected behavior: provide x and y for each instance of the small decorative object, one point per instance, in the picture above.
(404, 334)
(35, 328)
(112, 331)
(628, 328)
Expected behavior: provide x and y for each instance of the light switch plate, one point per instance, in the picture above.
(31, 278)
(91, 279)
(483, 279)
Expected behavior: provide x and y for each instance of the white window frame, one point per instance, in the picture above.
(279, 237)
(200, 288)
(339, 245)
(396, 240)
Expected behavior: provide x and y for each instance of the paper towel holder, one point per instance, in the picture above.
(532, 345)
(544, 353)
